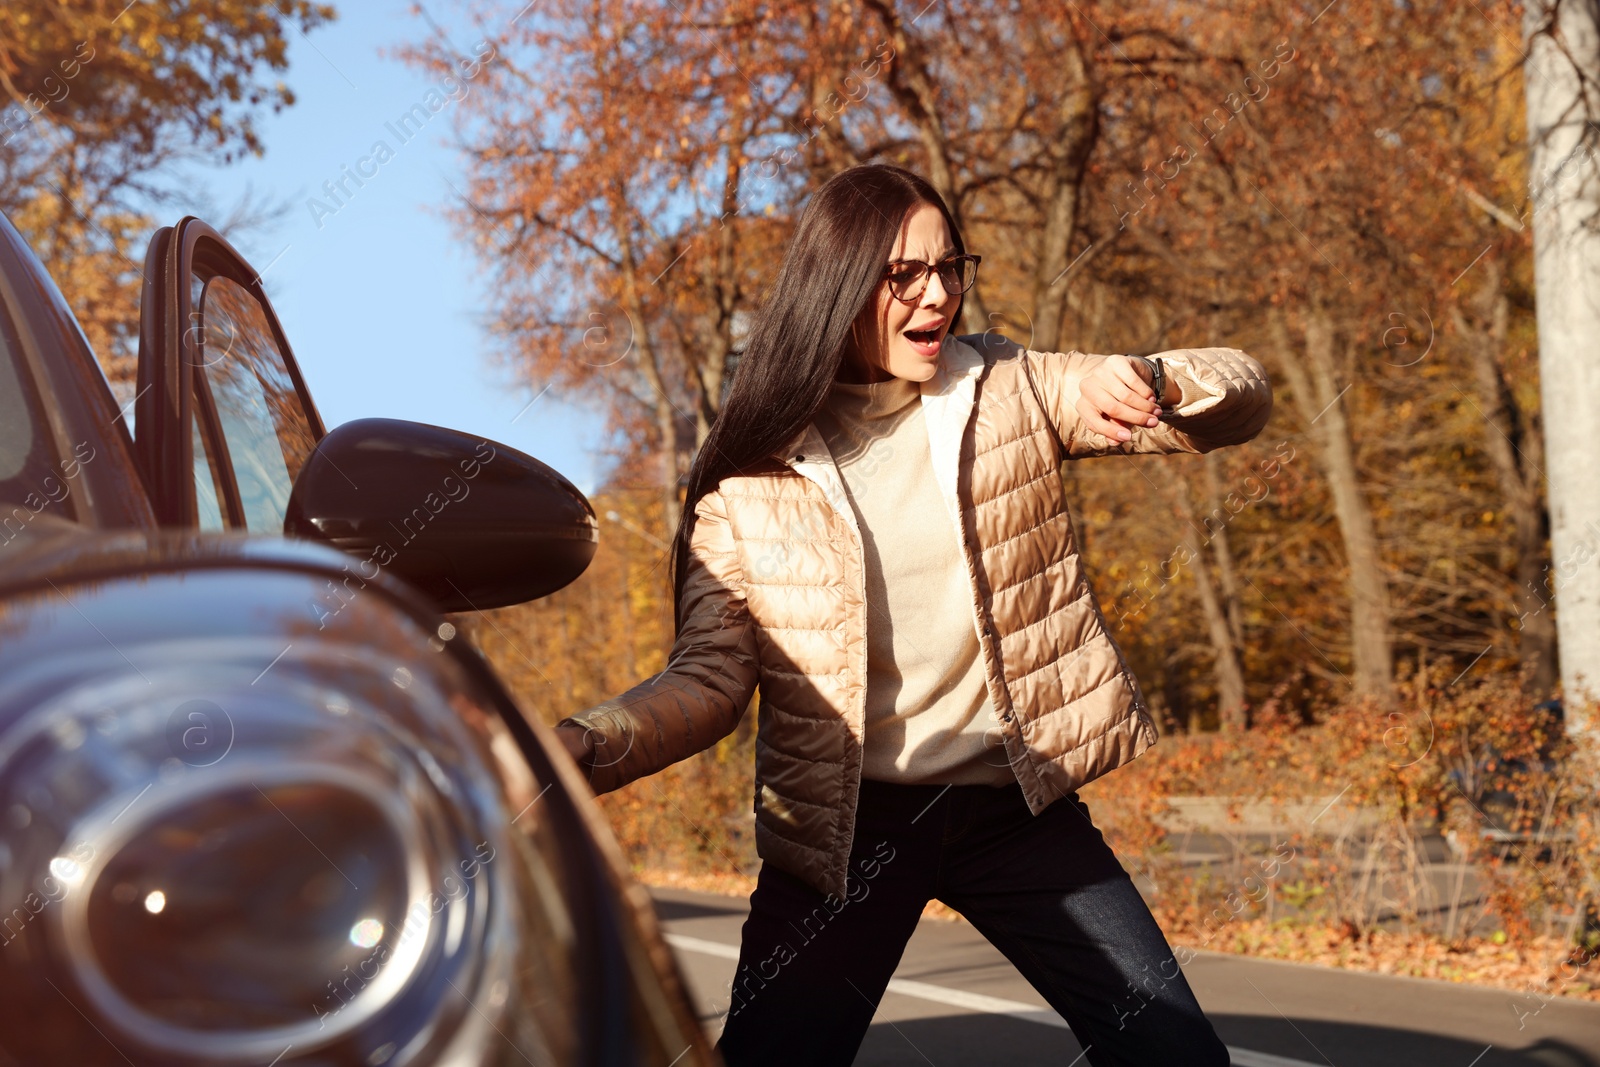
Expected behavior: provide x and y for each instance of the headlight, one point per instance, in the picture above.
(255, 848)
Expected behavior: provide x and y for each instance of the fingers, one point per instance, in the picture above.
(1111, 405)
(1100, 414)
(1099, 424)
(1129, 408)
(1130, 372)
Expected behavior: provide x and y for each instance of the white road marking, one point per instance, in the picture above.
(1243, 1057)
(702, 946)
(976, 1002)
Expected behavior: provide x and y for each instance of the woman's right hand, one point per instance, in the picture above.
(578, 741)
(1114, 397)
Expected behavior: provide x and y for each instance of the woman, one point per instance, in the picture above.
(875, 535)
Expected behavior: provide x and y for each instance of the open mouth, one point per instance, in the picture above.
(926, 336)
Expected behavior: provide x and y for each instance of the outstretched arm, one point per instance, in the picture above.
(1222, 397)
(708, 681)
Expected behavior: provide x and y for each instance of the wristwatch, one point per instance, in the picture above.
(1158, 380)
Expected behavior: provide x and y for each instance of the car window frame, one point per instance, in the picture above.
(169, 397)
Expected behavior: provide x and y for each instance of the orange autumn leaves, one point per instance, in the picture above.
(98, 100)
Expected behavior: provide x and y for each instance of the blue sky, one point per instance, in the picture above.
(382, 302)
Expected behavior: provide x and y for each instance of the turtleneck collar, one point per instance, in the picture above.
(873, 400)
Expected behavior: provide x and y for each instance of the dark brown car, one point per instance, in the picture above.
(260, 803)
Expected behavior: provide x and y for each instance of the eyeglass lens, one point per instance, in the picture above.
(910, 280)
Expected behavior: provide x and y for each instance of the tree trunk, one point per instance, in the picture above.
(1317, 396)
(1515, 454)
(1068, 153)
(1227, 578)
(916, 91)
(666, 413)
(830, 149)
(1564, 176)
(711, 365)
(1225, 654)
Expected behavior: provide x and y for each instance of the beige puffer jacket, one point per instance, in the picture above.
(774, 596)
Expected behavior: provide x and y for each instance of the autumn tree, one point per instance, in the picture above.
(715, 109)
(1563, 92)
(1304, 207)
(1161, 176)
(631, 173)
(100, 99)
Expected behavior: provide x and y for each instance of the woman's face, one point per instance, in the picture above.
(899, 340)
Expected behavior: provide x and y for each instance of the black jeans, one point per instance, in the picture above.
(1046, 890)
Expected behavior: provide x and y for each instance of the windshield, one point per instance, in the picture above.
(65, 452)
(32, 480)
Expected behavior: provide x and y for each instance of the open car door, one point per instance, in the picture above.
(224, 422)
(229, 439)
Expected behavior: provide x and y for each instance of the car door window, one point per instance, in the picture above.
(208, 494)
(265, 430)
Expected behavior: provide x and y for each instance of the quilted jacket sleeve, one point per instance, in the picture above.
(709, 678)
(1226, 401)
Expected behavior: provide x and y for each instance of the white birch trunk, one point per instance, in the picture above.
(1562, 78)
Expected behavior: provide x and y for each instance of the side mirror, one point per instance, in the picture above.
(472, 523)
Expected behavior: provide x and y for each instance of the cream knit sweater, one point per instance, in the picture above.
(929, 717)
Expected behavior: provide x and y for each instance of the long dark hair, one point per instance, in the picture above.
(802, 331)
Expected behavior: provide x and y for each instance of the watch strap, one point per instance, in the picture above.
(1158, 378)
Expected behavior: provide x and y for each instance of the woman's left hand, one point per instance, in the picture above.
(578, 741)
(1115, 397)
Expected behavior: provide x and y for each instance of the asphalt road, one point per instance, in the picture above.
(956, 1001)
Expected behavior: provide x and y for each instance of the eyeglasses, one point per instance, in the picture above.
(908, 278)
